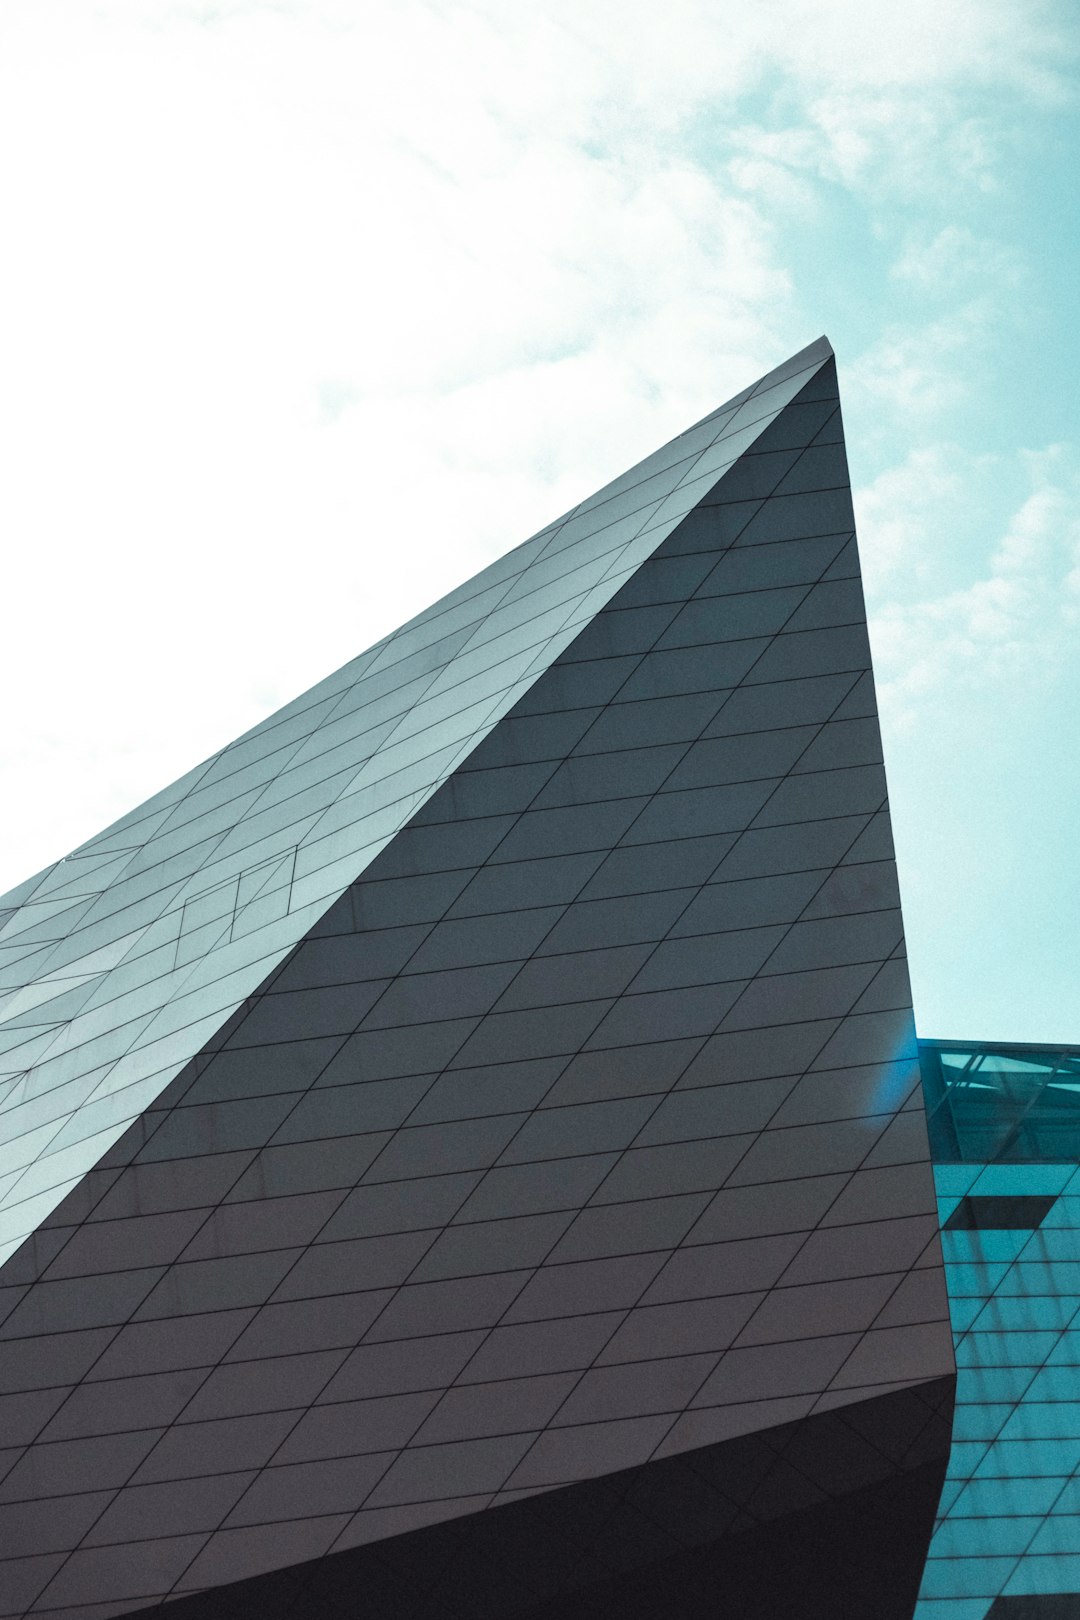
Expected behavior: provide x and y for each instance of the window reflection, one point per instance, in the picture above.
(1004, 1104)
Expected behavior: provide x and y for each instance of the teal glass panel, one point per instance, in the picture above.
(966, 1577)
(1009, 1517)
(996, 1498)
(1002, 1105)
(1056, 1572)
(950, 1609)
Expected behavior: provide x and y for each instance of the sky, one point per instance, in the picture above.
(311, 308)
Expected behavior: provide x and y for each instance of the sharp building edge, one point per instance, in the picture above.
(465, 1150)
(120, 961)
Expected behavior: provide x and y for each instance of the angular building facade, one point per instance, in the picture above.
(463, 1145)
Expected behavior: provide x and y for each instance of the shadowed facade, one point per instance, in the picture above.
(546, 1223)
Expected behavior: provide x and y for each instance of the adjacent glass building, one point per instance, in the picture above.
(1003, 1133)
(463, 1148)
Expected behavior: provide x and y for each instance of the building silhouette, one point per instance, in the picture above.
(464, 1147)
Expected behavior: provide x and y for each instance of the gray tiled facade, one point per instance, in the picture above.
(493, 1074)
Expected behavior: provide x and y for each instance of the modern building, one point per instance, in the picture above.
(464, 1151)
(1005, 1137)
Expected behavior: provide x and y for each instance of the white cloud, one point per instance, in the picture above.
(953, 259)
(901, 105)
(918, 372)
(903, 512)
(1007, 633)
(311, 309)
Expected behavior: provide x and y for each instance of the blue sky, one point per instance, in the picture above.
(310, 309)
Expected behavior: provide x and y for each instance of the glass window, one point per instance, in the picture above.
(1009, 1104)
